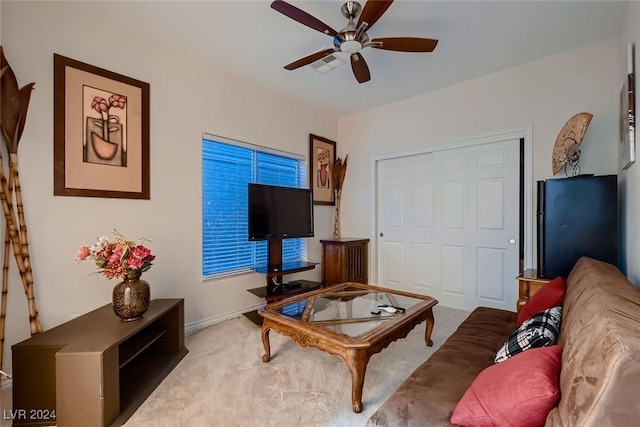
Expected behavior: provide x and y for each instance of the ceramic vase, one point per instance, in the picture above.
(131, 298)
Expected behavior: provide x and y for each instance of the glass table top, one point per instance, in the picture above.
(349, 310)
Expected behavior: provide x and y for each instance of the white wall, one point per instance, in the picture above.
(630, 178)
(543, 94)
(188, 97)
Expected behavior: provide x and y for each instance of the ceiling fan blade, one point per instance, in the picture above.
(302, 17)
(405, 44)
(360, 68)
(308, 59)
(372, 11)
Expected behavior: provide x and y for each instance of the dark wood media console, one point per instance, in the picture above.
(96, 370)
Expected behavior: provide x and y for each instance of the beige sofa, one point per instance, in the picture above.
(600, 373)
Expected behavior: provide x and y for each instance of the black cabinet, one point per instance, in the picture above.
(576, 217)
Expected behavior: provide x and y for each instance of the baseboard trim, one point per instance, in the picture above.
(193, 327)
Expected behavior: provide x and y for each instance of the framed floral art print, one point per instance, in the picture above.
(322, 157)
(101, 132)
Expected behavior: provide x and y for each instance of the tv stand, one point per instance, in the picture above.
(275, 268)
(275, 288)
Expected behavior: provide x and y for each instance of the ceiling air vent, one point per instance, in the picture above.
(327, 64)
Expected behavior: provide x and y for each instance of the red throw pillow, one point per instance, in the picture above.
(518, 392)
(550, 295)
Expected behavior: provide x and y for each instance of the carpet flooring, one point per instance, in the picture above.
(223, 382)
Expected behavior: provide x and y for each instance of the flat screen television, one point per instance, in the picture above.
(279, 212)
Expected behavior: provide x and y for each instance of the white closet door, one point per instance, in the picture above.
(448, 224)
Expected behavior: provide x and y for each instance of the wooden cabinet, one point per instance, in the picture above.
(344, 260)
(528, 284)
(96, 370)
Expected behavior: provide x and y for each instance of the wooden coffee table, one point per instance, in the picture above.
(340, 320)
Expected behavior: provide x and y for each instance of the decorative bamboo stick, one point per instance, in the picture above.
(12, 231)
(5, 293)
(336, 216)
(338, 172)
(5, 285)
(34, 318)
(15, 103)
(5, 279)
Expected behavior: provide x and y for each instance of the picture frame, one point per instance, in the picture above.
(101, 132)
(627, 149)
(322, 157)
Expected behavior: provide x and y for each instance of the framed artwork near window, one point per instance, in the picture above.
(101, 132)
(322, 157)
(627, 149)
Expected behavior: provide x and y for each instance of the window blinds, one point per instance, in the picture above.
(226, 171)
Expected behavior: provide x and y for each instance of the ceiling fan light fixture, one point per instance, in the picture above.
(351, 46)
(348, 42)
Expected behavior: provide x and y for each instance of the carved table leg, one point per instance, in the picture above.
(265, 342)
(429, 328)
(357, 363)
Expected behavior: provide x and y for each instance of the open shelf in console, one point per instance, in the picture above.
(135, 345)
(141, 376)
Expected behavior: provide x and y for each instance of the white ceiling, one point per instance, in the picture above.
(250, 39)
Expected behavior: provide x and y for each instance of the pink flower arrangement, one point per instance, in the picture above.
(118, 259)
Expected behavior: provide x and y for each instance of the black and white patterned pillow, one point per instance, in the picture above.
(540, 330)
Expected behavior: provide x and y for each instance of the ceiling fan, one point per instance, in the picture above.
(353, 38)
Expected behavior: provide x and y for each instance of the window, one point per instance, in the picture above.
(227, 168)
